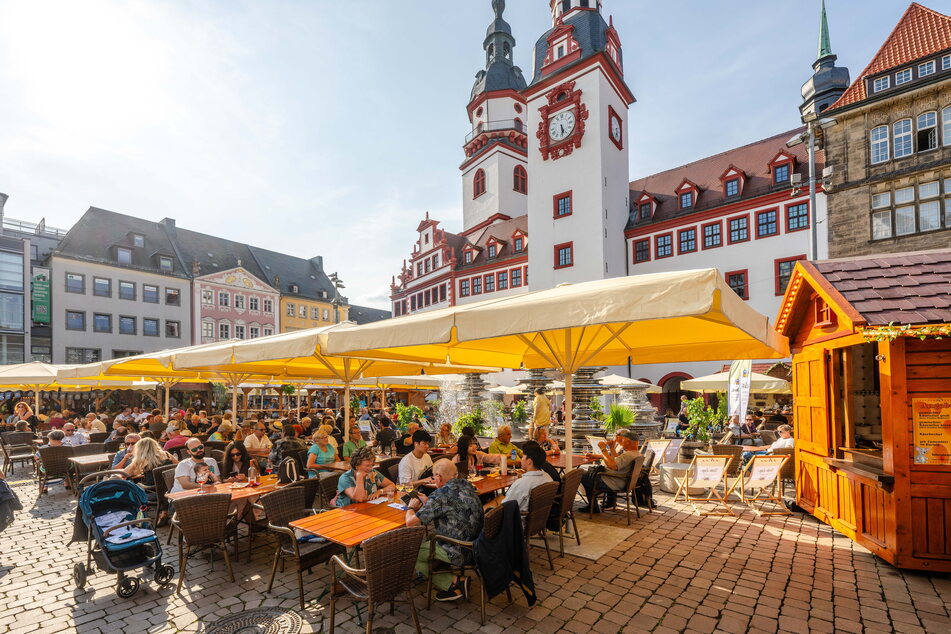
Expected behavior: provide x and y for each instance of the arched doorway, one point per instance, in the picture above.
(670, 397)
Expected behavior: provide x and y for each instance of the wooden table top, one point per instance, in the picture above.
(96, 458)
(351, 525)
(268, 484)
(576, 460)
(491, 484)
(259, 453)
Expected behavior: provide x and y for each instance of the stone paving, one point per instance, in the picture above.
(678, 572)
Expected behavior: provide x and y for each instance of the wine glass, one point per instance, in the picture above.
(201, 478)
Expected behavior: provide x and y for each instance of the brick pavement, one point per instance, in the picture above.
(678, 573)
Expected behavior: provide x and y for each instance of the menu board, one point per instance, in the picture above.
(931, 421)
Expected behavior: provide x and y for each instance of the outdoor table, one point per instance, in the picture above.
(576, 460)
(491, 484)
(268, 484)
(351, 525)
(91, 460)
(259, 453)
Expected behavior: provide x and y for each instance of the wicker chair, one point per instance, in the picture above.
(218, 445)
(53, 465)
(566, 500)
(735, 452)
(98, 436)
(168, 480)
(384, 466)
(768, 436)
(490, 528)
(311, 487)
(393, 473)
(180, 452)
(390, 562)
(788, 472)
(218, 456)
(328, 489)
(113, 446)
(17, 446)
(202, 522)
(539, 508)
(627, 492)
(285, 506)
(89, 449)
(161, 488)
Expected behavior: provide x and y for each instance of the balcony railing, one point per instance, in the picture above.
(495, 126)
(25, 226)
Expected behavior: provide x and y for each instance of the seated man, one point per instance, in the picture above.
(124, 457)
(258, 440)
(785, 441)
(532, 461)
(417, 461)
(185, 472)
(503, 444)
(455, 511)
(96, 426)
(175, 438)
(617, 467)
(71, 437)
(405, 444)
(356, 442)
(386, 436)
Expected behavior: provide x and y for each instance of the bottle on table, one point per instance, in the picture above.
(253, 474)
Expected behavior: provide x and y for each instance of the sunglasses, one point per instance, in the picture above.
(236, 453)
(196, 448)
(129, 442)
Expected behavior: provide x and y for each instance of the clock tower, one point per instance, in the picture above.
(494, 173)
(577, 107)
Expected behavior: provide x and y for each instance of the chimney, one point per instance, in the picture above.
(169, 224)
(196, 268)
(318, 261)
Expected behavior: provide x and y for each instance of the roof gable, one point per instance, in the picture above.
(920, 32)
(239, 277)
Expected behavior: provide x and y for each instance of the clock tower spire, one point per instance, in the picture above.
(494, 173)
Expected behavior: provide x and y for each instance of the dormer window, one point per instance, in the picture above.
(138, 240)
(467, 258)
(946, 62)
(561, 52)
(928, 68)
(124, 256)
(903, 77)
(881, 83)
(295, 288)
(686, 200)
(645, 210)
(824, 314)
(732, 187)
(781, 174)
(165, 263)
(493, 250)
(519, 245)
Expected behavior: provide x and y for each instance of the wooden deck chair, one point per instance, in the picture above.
(673, 451)
(659, 447)
(761, 475)
(706, 472)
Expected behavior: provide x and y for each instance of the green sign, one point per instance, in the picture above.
(41, 295)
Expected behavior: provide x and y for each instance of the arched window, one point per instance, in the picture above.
(478, 183)
(521, 180)
(506, 50)
(879, 144)
(901, 135)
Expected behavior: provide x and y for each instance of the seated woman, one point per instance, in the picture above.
(215, 432)
(147, 454)
(329, 429)
(362, 482)
(549, 446)
(320, 453)
(237, 462)
(469, 456)
(445, 437)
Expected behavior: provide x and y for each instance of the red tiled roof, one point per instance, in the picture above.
(920, 32)
(502, 231)
(752, 159)
(906, 288)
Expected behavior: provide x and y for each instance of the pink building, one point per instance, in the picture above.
(234, 304)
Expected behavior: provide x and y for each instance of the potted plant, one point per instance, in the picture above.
(406, 414)
(618, 418)
(519, 414)
(474, 419)
(597, 412)
(702, 418)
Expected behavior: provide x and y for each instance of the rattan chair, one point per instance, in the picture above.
(89, 449)
(735, 452)
(17, 446)
(168, 480)
(490, 528)
(540, 500)
(311, 487)
(390, 562)
(114, 446)
(218, 456)
(160, 488)
(565, 506)
(202, 521)
(285, 506)
(393, 473)
(768, 436)
(384, 466)
(328, 489)
(218, 445)
(98, 436)
(627, 492)
(180, 452)
(53, 465)
(788, 472)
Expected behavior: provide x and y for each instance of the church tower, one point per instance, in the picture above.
(828, 81)
(494, 174)
(577, 106)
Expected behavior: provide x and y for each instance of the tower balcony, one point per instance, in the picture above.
(512, 130)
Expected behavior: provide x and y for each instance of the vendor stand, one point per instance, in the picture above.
(871, 346)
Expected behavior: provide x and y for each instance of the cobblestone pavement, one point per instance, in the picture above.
(677, 572)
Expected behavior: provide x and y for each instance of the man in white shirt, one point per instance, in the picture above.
(185, 471)
(124, 416)
(533, 477)
(786, 441)
(95, 425)
(417, 461)
(72, 437)
(258, 440)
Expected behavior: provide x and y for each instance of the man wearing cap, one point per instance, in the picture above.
(617, 467)
(175, 438)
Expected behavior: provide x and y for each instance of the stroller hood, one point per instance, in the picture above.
(115, 494)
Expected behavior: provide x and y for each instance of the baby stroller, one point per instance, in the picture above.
(118, 536)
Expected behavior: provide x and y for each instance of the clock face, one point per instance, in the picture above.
(561, 126)
(616, 129)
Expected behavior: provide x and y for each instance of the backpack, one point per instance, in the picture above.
(289, 471)
(9, 502)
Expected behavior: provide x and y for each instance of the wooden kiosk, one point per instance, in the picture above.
(872, 400)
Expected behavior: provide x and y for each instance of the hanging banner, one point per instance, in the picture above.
(931, 421)
(40, 295)
(740, 375)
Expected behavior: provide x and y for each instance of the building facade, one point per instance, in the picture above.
(15, 305)
(890, 150)
(233, 304)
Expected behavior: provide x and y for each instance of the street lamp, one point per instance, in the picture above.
(335, 279)
(814, 128)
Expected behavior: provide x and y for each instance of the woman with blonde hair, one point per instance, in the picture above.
(147, 454)
(329, 430)
(321, 453)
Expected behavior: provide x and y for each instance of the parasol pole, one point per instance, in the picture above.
(568, 407)
(36, 400)
(346, 410)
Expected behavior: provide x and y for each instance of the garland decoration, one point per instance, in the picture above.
(892, 332)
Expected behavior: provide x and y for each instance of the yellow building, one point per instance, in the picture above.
(299, 313)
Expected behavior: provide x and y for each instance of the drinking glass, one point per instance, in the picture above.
(201, 478)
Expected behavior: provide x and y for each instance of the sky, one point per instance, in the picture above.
(330, 127)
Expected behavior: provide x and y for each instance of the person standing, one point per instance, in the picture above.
(541, 412)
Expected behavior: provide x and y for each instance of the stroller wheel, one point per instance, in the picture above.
(164, 574)
(127, 587)
(79, 575)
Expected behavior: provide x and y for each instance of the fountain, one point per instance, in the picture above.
(535, 380)
(473, 388)
(635, 399)
(584, 387)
